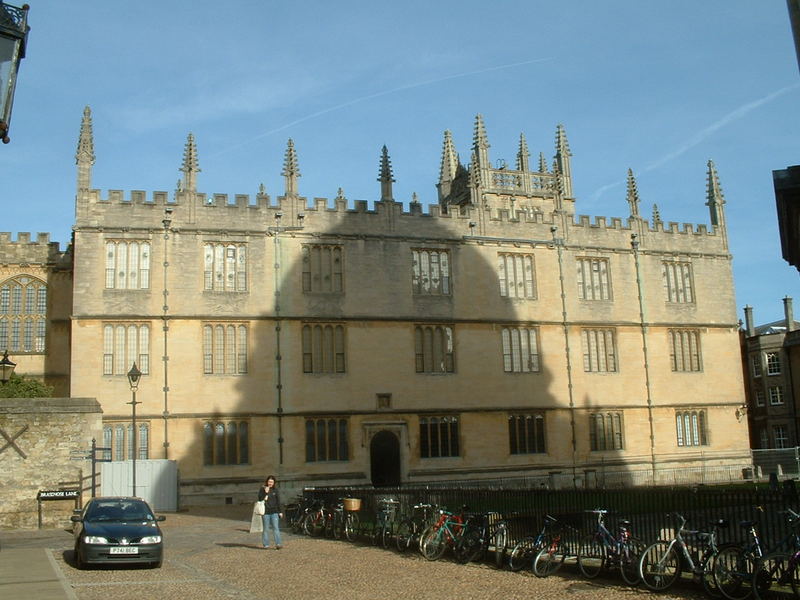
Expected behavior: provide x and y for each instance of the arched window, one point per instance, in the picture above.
(23, 315)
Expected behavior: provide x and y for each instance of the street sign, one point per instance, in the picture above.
(57, 495)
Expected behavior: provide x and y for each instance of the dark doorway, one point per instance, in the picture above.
(384, 455)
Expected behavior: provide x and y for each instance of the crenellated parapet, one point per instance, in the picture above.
(25, 251)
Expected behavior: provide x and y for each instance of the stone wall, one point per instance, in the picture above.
(38, 441)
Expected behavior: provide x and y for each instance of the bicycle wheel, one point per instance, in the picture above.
(316, 524)
(405, 535)
(549, 559)
(338, 525)
(707, 576)
(386, 535)
(629, 554)
(772, 577)
(659, 566)
(591, 556)
(469, 546)
(433, 544)
(523, 553)
(500, 540)
(733, 572)
(351, 525)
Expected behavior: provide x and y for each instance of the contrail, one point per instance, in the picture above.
(410, 86)
(701, 136)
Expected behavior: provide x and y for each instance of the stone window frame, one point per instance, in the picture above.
(516, 274)
(127, 264)
(327, 439)
(226, 442)
(225, 348)
(23, 314)
(593, 277)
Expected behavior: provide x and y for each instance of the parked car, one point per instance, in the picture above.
(112, 530)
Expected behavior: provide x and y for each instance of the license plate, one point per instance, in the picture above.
(124, 550)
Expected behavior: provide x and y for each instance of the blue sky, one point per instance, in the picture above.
(658, 87)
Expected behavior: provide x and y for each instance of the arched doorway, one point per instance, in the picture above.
(384, 457)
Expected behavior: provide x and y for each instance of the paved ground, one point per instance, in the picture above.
(210, 555)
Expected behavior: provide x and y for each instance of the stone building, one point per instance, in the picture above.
(772, 366)
(496, 334)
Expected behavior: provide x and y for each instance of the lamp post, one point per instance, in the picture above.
(13, 38)
(133, 378)
(6, 367)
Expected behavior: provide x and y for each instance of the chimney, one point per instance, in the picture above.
(788, 310)
(748, 321)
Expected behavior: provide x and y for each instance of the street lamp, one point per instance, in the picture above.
(13, 37)
(6, 367)
(133, 378)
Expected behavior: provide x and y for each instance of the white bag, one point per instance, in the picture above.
(260, 508)
(256, 524)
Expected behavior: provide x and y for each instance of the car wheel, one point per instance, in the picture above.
(76, 554)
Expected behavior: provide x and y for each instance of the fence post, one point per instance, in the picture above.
(797, 461)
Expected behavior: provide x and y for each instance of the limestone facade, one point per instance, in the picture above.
(40, 441)
(496, 333)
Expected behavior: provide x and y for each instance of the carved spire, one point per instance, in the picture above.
(449, 159)
(291, 170)
(190, 167)
(542, 163)
(84, 157)
(656, 217)
(523, 156)
(385, 176)
(480, 143)
(562, 161)
(716, 199)
(633, 195)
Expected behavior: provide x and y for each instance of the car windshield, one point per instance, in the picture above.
(119, 510)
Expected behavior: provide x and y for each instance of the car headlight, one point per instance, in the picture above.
(94, 539)
(151, 539)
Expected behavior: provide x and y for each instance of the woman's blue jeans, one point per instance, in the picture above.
(271, 521)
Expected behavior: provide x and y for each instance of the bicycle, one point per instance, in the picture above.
(735, 564)
(410, 528)
(382, 531)
(602, 549)
(352, 522)
(314, 523)
(524, 551)
(662, 563)
(553, 554)
(296, 513)
(475, 540)
(776, 576)
(443, 534)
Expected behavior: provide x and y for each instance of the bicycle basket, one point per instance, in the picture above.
(352, 504)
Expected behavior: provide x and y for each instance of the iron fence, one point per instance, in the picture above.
(648, 509)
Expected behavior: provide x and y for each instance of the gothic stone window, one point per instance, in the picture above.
(520, 350)
(690, 427)
(434, 352)
(127, 264)
(225, 267)
(118, 438)
(430, 272)
(438, 436)
(773, 363)
(594, 280)
(677, 279)
(124, 344)
(516, 275)
(224, 348)
(23, 315)
(322, 269)
(526, 433)
(327, 439)
(599, 351)
(323, 348)
(226, 442)
(605, 431)
(684, 350)
(760, 397)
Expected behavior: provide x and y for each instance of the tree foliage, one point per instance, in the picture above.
(22, 386)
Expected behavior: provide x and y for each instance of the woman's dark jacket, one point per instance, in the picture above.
(273, 503)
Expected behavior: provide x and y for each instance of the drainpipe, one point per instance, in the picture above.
(644, 329)
(167, 221)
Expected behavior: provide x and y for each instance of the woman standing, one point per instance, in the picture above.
(272, 513)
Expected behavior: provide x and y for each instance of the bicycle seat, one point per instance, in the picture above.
(746, 524)
(624, 523)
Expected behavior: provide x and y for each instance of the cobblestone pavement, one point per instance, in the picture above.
(210, 555)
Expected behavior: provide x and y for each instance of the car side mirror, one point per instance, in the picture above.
(75, 518)
(161, 518)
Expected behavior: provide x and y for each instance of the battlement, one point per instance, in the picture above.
(23, 250)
